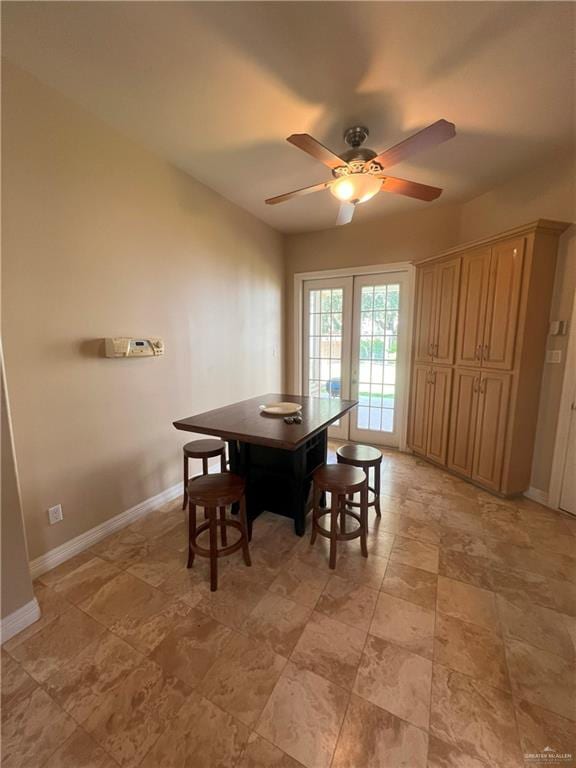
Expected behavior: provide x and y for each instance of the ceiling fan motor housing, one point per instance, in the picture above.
(355, 137)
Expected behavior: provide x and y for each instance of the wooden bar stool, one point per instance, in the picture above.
(214, 493)
(340, 480)
(365, 457)
(202, 449)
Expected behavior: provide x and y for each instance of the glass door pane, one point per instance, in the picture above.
(378, 349)
(327, 316)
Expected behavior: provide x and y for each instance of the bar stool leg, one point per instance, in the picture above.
(364, 518)
(244, 524)
(191, 533)
(316, 502)
(335, 500)
(185, 478)
(211, 515)
(342, 505)
(377, 488)
(223, 535)
(205, 472)
(223, 462)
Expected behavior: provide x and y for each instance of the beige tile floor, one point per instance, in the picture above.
(451, 646)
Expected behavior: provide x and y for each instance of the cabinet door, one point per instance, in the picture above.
(502, 304)
(439, 405)
(419, 408)
(424, 327)
(491, 423)
(446, 310)
(463, 420)
(472, 307)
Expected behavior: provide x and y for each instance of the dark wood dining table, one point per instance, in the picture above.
(276, 459)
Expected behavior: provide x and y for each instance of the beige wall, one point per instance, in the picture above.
(16, 582)
(102, 238)
(546, 192)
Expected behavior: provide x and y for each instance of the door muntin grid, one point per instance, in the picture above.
(325, 332)
(377, 357)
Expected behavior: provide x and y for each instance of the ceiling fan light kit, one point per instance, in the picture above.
(360, 172)
(356, 188)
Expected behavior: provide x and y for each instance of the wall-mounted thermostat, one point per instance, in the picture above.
(122, 346)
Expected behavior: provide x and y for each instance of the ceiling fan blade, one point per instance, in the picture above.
(410, 188)
(434, 134)
(298, 193)
(345, 213)
(309, 144)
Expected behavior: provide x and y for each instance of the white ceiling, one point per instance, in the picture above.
(216, 87)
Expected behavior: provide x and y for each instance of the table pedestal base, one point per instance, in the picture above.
(278, 480)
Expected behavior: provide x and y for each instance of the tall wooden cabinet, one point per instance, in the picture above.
(480, 326)
(436, 304)
(431, 389)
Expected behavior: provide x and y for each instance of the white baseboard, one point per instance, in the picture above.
(535, 494)
(85, 540)
(19, 620)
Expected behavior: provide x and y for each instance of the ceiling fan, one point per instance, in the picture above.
(359, 173)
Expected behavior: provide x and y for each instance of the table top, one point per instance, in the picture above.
(244, 422)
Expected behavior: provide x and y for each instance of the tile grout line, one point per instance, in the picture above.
(351, 693)
(516, 724)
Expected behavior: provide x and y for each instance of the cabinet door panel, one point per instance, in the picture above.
(502, 304)
(446, 310)
(472, 306)
(463, 421)
(424, 328)
(440, 390)
(419, 408)
(491, 423)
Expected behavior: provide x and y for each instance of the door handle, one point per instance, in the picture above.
(475, 384)
(436, 349)
(482, 386)
(431, 350)
(479, 352)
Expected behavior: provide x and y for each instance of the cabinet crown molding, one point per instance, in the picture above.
(540, 225)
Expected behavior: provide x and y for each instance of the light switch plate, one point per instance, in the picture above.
(554, 356)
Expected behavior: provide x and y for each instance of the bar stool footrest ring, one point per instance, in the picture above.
(222, 551)
(340, 536)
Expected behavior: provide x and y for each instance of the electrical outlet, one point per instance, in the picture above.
(55, 514)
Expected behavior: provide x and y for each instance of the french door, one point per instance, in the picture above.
(356, 346)
(327, 325)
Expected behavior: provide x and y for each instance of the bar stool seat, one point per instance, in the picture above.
(204, 450)
(215, 492)
(340, 480)
(366, 457)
